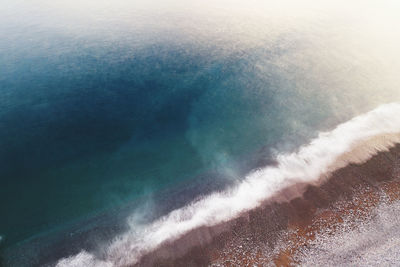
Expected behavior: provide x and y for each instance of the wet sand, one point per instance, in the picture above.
(276, 232)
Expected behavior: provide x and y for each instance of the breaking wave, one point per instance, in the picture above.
(364, 136)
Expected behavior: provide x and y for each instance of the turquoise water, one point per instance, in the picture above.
(102, 106)
(74, 145)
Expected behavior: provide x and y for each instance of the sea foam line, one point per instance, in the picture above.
(305, 166)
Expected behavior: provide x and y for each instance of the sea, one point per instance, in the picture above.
(117, 115)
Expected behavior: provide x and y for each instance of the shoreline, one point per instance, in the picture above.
(236, 241)
(262, 207)
(85, 233)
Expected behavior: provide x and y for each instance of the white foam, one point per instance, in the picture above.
(83, 259)
(307, 165)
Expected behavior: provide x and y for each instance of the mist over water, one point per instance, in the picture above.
(102, 103)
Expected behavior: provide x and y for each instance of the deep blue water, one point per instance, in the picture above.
(91, 122)
(80, 133)
(81, 139)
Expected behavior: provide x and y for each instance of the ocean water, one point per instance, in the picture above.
(113, 114)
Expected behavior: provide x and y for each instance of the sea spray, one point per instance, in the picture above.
(307, 165)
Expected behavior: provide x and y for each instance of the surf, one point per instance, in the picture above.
(352, 142)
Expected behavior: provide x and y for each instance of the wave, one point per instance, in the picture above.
(352, 142)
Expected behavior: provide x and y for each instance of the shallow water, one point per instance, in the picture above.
(103, 104)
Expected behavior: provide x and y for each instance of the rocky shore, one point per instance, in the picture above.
(280, 233)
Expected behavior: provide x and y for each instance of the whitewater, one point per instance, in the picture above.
(375, 131)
